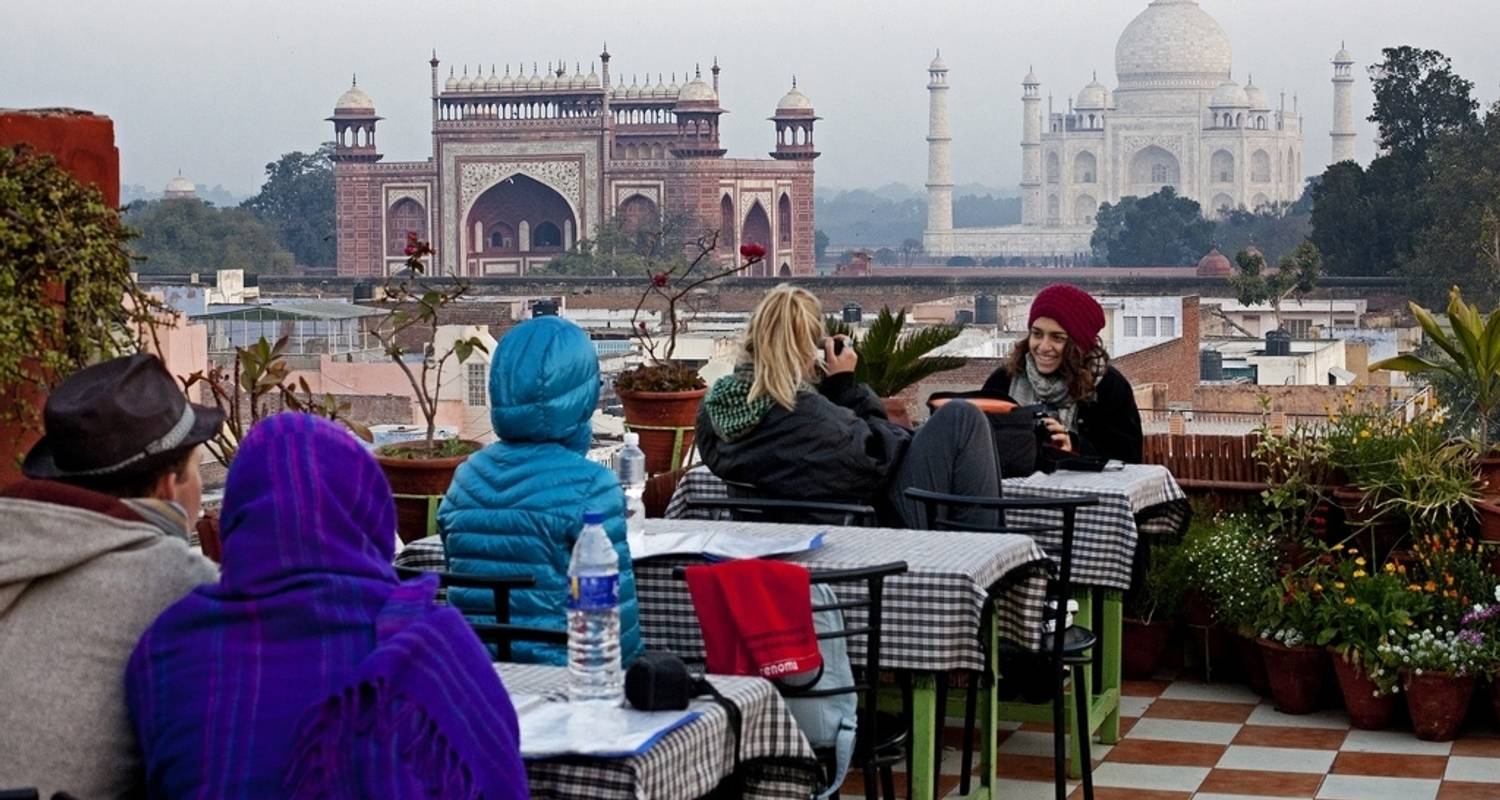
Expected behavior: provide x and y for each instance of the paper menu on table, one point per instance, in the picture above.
(722, 543)
(550, 728)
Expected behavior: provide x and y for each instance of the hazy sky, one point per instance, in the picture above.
(216, 88)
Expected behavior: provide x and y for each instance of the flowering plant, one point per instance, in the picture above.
(1481, 628)
(1437, 649)
(1231, 561)
(1363, 609)
(1448, 568)
(669, 285)
(1364, 445)
(1294, 463)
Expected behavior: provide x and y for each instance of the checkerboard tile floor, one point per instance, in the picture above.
(1187, 740)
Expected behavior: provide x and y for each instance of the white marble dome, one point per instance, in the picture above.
(179, 188)
(696, 91)
(937, 64)
(1257, 96)
(1173, 43)
(1229, 95)
(1093, 97)
(795, 100)
(354, 99)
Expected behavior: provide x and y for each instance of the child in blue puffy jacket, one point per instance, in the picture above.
(516, 507)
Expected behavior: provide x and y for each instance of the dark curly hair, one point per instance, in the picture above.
(1077, 367)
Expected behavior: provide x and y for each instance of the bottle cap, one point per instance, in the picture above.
(593, 517)
(632, 439)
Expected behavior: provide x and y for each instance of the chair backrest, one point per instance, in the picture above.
(764, 509)
(939, 505)
(501, 633)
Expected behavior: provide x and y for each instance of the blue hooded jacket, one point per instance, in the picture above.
(516, 507)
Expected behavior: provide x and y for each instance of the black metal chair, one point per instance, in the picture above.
(877, 753)
(1066, 653)
(501, 633)
(758, 509)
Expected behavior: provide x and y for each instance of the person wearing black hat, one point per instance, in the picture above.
(93, 548)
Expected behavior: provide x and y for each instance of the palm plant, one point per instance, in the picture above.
(890, 359)
(1473, 355)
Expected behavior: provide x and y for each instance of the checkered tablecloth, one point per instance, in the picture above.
(932, 613)
(774, 759)
(1139, 499)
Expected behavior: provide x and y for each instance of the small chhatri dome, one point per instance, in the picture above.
(660, 89)
(492, 83)
(937, 64)
(1093, 97)
(1343, 56)
(180, 188)
(696, 92)
(1256, 96)
(354, 100)
(452, 83)
(794, 100)
(1229, 95)
(592, 80)
(1215, 265)
(465, 83)
(507, 83)
(1031, 79)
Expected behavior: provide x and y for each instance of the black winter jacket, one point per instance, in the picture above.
(1108, 426)
(836, 446)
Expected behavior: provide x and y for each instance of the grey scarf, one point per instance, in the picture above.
(1032, 387)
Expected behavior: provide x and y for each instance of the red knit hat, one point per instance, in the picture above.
(1074, 309)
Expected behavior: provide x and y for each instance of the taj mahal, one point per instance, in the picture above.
(1176, 118)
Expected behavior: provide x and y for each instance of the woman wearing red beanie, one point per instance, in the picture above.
(1062, 365)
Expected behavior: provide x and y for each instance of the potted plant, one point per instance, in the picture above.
(890, 359)
(67, 296)
(1481, 627)
(1151, 611)
(1362, 611)
(1440, 667)
(420, 471)
(1290, 627)
(1228, 565)
(661, 395)
(1471, 364)
(1431, 484)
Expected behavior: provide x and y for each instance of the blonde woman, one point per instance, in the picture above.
(792, 422)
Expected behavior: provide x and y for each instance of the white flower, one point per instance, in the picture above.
(1419, 672)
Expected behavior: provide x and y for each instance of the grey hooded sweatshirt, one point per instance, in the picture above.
(81, 577)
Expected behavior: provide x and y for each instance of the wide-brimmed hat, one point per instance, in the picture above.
(125, 416)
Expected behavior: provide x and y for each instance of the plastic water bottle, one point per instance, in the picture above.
(594, 673)
(632, 473)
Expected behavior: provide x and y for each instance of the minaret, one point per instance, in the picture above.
(434, 64)
(939, 161)
(1343, 106)
(1031, 150)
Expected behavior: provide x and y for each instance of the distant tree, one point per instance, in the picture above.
(296, 202)
(1418, 97)
(617, 248)
(886, 257)
(1296, 276)
(1275, 229)
(960, 261)
(1161, 229)
(183, 236)
(1343, 227)
(1461, 245)
(909, 248)
(866, 218)
(994, 261)
(820, 244)
(984, 211)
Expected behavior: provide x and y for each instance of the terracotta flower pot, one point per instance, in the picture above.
(1295, 674)
(1143, 646)
(208, 536)
(418, 479)
(665, 421)
(1366, 710)
(1248, 654)
(1489, 475)
(1495, 695)
(1438, 703)
(1489, 520)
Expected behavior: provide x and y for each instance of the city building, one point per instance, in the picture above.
(525, 164)
(1176, 118)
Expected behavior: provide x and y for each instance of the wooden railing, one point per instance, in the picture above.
(1224, 463)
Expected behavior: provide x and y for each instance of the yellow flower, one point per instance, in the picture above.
(1338, 585)
(1389, 567)
(1318, 587)
(1412, 587)
(1348, 601)
(1359, 573)
(1430, 586)
(1359, 562)
(1352, 551)
(1364, 433)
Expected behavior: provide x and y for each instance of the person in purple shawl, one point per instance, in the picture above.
(309, 670)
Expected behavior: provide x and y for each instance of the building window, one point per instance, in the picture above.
(1299, 328)
(1344, 322)
(1131, 326)
(1168, 326)
(1159, 173)
(1148, 326)
(476, 384)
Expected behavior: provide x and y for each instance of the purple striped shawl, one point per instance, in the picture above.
(309, 670)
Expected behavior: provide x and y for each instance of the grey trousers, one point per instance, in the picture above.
(954, 453)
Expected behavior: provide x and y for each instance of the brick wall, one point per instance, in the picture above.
(1172, 364)
(1295, 400)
